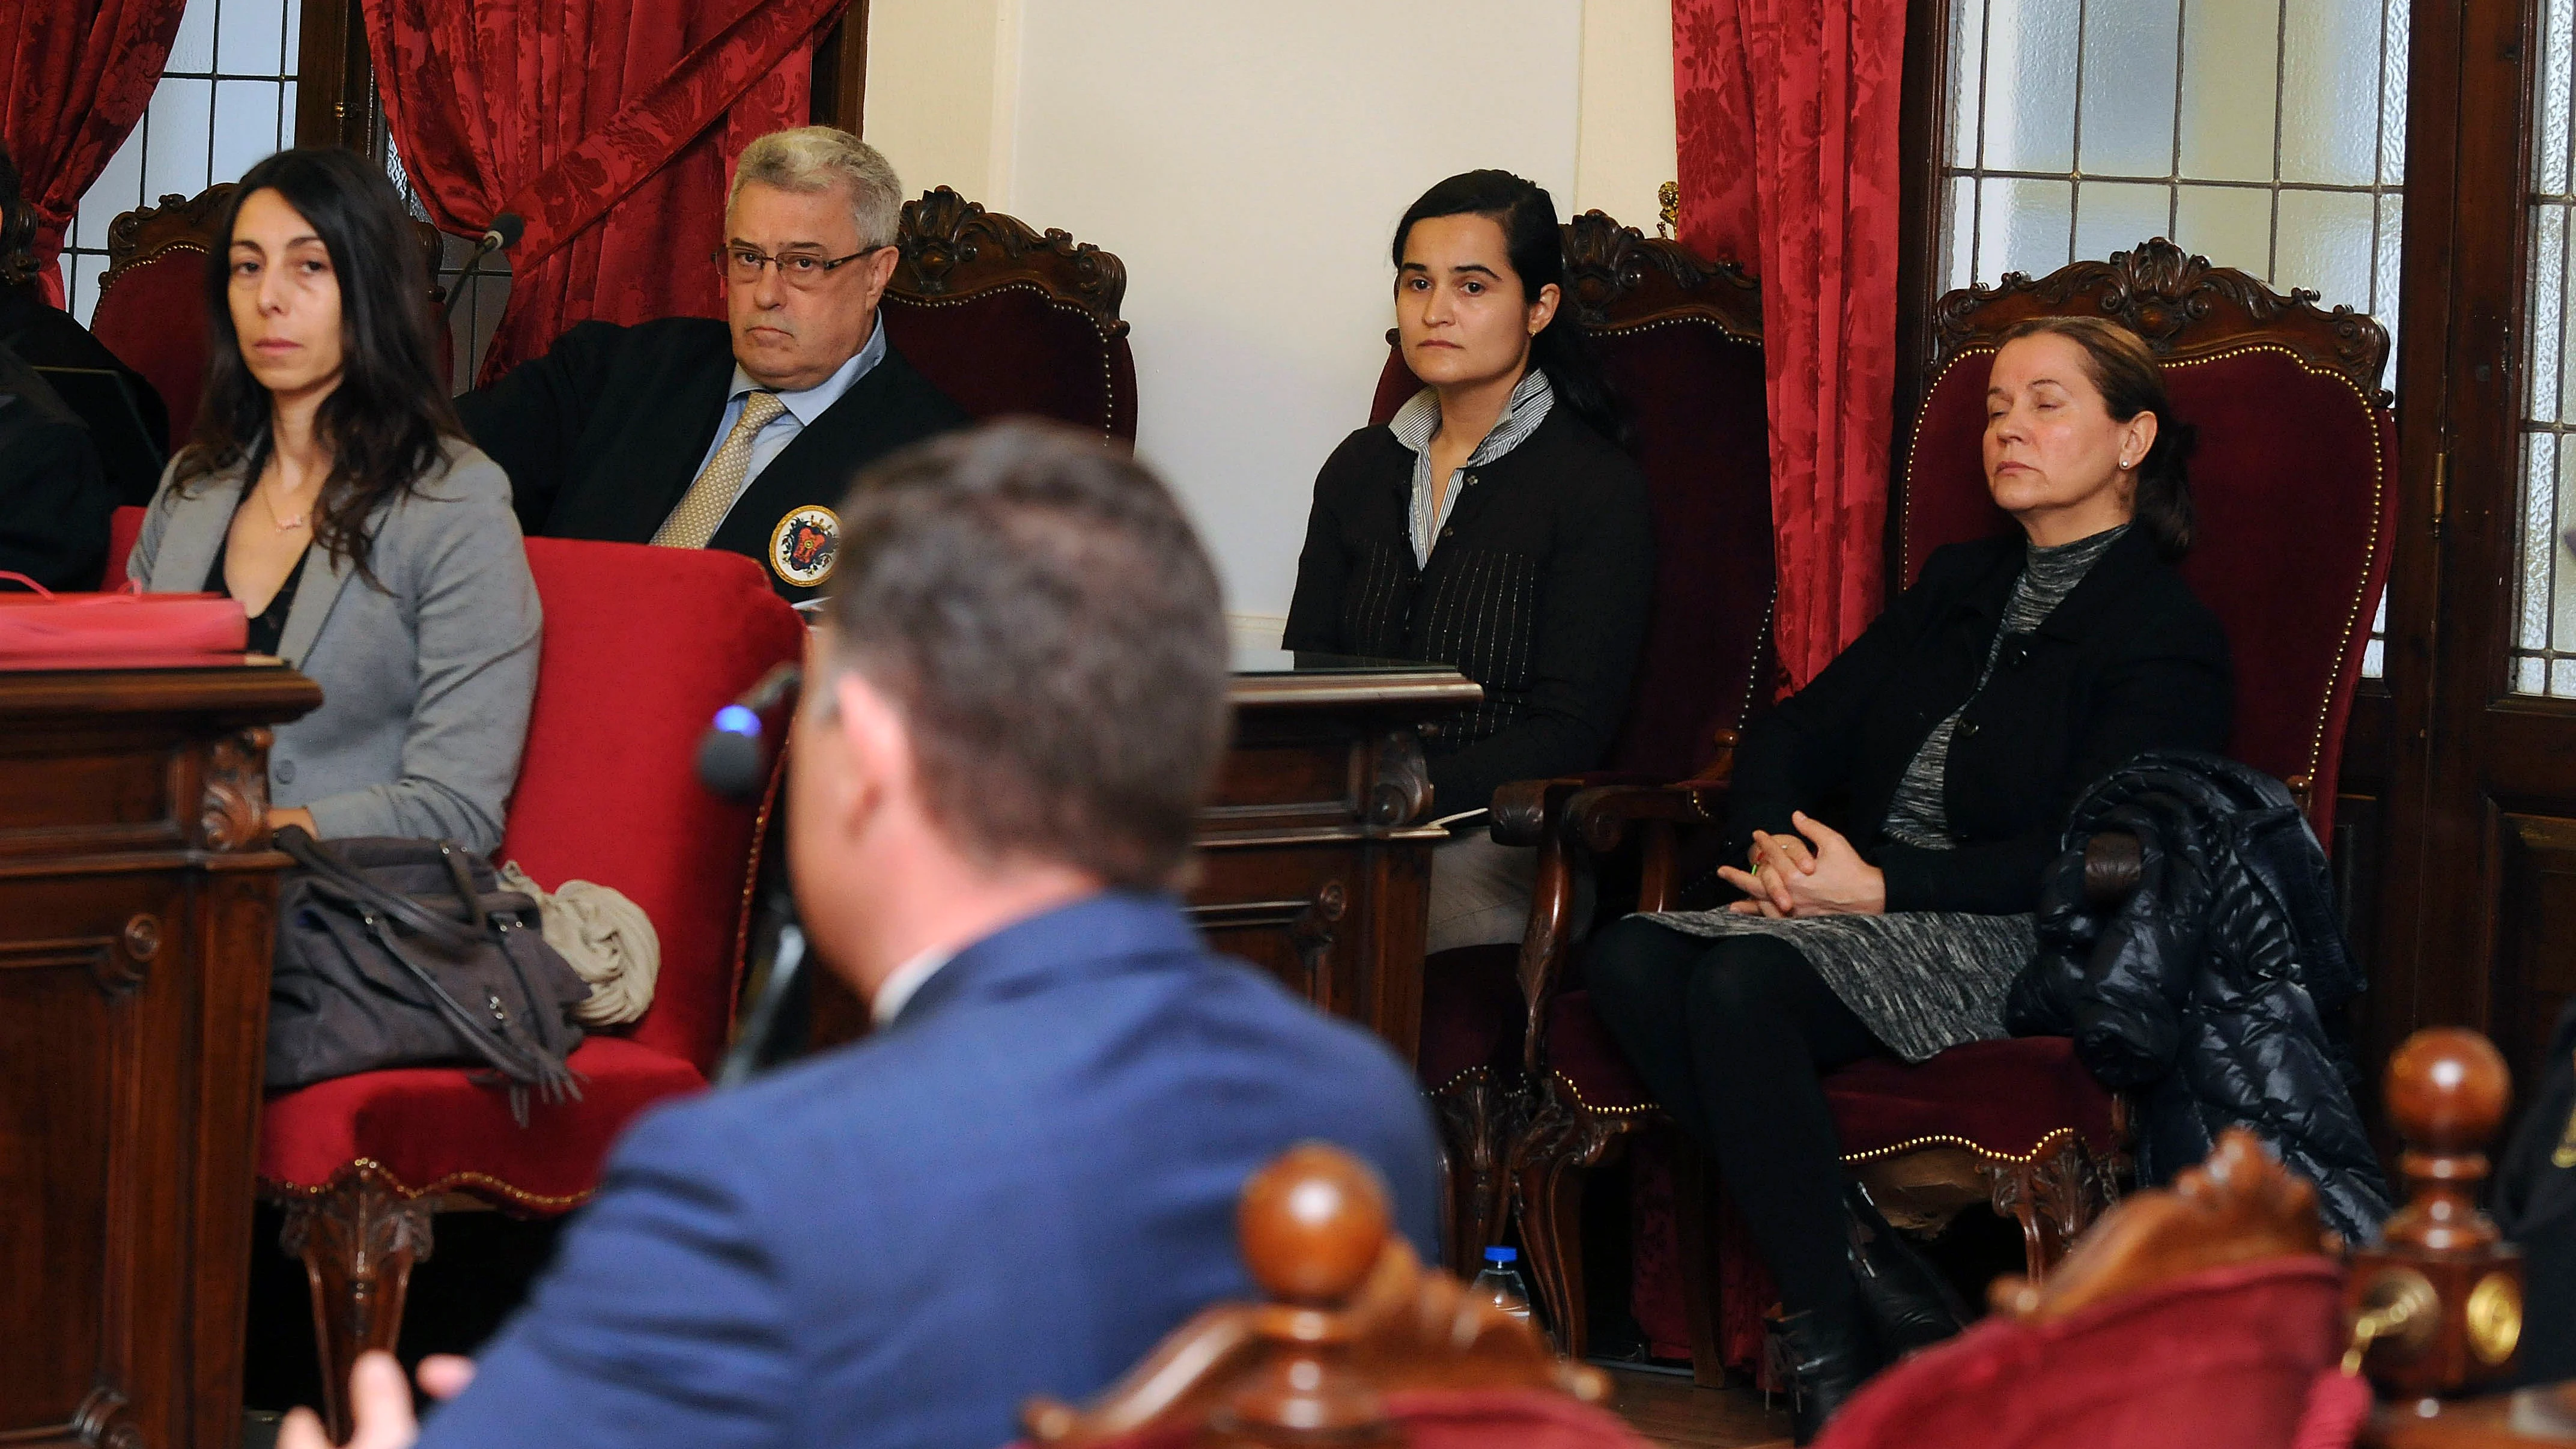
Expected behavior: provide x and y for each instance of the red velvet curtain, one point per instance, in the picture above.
(609, 125)
(1787, 114)
(75, 76)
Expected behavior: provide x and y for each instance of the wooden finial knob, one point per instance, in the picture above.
(2447, 1090)
(1313, 1224)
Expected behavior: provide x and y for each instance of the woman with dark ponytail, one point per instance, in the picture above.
(1894, 819)
(1495, 524)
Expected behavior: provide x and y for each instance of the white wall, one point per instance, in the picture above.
(1248, 161)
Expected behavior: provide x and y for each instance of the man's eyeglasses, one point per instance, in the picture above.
(742, 265)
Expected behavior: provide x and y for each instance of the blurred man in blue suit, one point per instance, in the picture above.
(1027, 1175)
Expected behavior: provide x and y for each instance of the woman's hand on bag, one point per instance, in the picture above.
(1821, 875)
(282, 816)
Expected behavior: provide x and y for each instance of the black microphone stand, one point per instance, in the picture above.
(736, 760)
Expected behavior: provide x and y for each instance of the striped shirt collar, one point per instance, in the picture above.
(1415, 423)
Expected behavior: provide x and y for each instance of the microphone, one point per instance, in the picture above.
(505, 231)
(738, 749)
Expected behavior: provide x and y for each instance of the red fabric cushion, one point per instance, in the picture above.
(1471, 1013)
(1012, 349)
(2005, 1097)
(2224, 1359)
(435, 1131)
(1584, 1058)
(1694, 395)
(2292, 464)
(152, 315)
(642, 647)
(124, 526)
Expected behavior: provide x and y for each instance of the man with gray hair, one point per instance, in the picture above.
(738, 435)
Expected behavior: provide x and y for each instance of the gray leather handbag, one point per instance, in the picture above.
(405, 953)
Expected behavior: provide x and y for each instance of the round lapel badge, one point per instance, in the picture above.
(805, 545)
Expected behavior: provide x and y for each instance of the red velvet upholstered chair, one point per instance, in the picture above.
(151, 308)
(2296, 460)
(2204, 1316)
(642, 646)
(1681, 341)
(1005, 320)
(124, 526)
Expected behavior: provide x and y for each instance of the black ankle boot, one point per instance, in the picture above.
(1826, 1360)
(1909, 1302)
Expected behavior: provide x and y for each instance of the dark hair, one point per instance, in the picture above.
(2126, 374)
(1036, 604)
(384, 421)
(1536, 250)
(17, 227)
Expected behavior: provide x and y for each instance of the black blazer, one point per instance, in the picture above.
(603, 434)
(131, 446)
(54, 501)
(2129, 661)
(1537, 589)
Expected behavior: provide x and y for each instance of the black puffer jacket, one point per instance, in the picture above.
(2212, 989)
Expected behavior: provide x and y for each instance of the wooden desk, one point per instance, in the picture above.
(2543, 1418)
(1314, 852)
(136, 905)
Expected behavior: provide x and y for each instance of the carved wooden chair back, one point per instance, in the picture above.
(1680, 340)
(1359, 1344)
(1006, 320)
(2294, 479)
(151, 300)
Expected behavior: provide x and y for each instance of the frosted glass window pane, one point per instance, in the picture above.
(2392, 93)
(194, 47)
(2030, 87)
(252, 38)
(2024, 227)
(2562, 603)
(286, 117)
(2374, 659)
(2537, 503)
(174, 154)
(2548, 321)
(2329, 82)
(2562, 677)
(1967, 77)
(2230, 225)
(86, 270)
(2114, 216)
(2325, 246)
(2526, 676)
(2128, 108)
(118, 189)
(2229, 80)
(294, 30)
(1958, 268)
(245, 126)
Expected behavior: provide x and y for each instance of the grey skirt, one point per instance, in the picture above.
(1921, 981)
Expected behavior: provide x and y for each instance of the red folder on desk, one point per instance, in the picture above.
(95, 628)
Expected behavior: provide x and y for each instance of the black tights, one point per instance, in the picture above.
(1733, 1034)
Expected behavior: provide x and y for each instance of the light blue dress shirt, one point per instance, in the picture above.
(801, 409)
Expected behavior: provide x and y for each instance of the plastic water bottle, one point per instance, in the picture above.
(1501, 1283)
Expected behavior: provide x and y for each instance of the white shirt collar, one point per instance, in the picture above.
(817, 400)
(896, 991)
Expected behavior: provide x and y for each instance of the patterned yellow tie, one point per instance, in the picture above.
(711, 497)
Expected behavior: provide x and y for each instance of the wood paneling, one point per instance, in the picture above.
(137, 898)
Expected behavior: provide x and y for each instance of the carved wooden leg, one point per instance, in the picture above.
(358, 1240)
(1549, 1158)
(1475, 1127)
(1695, 1189)
(2055, 1196)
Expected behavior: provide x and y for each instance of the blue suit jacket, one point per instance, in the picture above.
(1016, 1187)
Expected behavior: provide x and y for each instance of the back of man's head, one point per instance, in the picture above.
(1034, 602)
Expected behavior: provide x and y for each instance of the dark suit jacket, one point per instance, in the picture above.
(54, 502)
(2130, 661)
(1537, 589)
(1016, 1187)
(131, 447)
(603, 434)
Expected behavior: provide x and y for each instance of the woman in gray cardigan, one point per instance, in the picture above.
(330, 488)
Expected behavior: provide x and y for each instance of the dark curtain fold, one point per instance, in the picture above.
(609, 125)
(1787, 113)
(75, 76)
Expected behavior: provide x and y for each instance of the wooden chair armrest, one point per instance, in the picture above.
(1599, 818)
(1525, 810)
